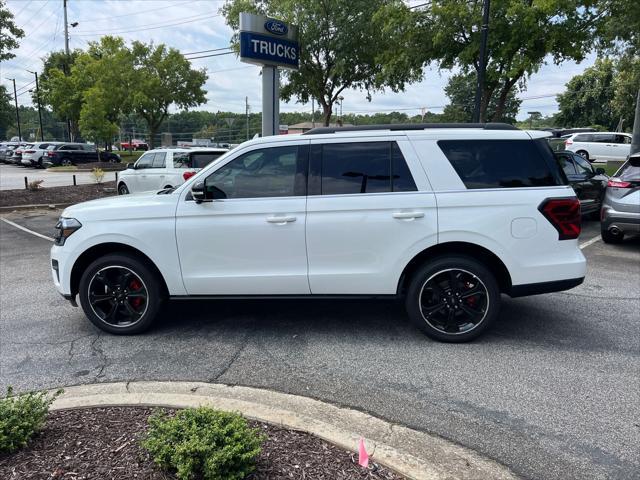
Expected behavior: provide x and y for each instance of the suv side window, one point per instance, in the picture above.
(566, 163)
(583, 166)
(583, 137)
(181, 160)
(500, 163)
(145, 161)
(363, 167)
(623, 139)
(604, 138)
(159, 160)
(266, 172)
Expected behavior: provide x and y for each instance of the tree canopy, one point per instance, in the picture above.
(345, 45)
(9, 33)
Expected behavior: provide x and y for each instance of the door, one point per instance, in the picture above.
(591, 184)
(604, 146)
(365, 213)
(622, 147)
(144, 169)
(248, 237)
(157, 176)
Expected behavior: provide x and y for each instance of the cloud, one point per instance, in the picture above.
(229, 80)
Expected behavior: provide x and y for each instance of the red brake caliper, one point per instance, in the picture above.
(135, 285)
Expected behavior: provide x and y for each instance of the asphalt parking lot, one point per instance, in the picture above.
(552, 391)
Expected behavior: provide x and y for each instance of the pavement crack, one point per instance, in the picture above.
(100, 353)
(234, 357)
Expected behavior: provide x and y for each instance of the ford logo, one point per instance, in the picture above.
(276, 27)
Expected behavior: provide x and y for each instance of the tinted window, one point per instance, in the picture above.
(145, 160)
(159, 160)
(582, 165)
(268, 172)
(604, 138)
(181, 160)
(623, 139)
(402, 179)
(70, 147)
(629, 172)
(356, 168)
(202, 159)
(501, 163)
(566, 164)
(583, 138)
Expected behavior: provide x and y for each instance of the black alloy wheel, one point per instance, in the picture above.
(120, 294)
(122, 189)
(453, 299)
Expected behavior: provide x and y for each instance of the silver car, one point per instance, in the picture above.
(620, 212)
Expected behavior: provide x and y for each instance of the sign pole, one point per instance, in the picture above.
(270, 100)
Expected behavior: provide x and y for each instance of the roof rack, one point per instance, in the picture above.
(410, 126)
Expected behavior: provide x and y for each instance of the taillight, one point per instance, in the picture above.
(188, 175)
(29, 151)
(51, 154)
(618, 184)
(569, 142)
(564, 215)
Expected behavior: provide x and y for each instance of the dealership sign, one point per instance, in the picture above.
(266, 41)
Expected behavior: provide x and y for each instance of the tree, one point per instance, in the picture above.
(461, 91)
(522, 34)
(9, 33)
(163, 77)
(6, 111)
(344, 45)
(603, 95)
(620, 27)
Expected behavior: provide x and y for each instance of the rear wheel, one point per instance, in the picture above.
(66, 162)
(453, 299)
(610, 237)
(120, 294)
(122, 189)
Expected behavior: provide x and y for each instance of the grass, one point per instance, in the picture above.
(128, 157)
(63, 168)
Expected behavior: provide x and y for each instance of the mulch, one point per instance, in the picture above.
(103, 443)
(51, 195)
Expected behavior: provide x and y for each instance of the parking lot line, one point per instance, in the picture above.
(26, 229)
(590, 242)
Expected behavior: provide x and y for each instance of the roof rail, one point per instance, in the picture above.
(410, 126)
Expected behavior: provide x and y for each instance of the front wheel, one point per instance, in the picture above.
(453, 298)
(611, 237)
(120, 294)
(66, 162)
(122, 189)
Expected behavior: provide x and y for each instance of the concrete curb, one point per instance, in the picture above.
(52, 206)
(416, 455)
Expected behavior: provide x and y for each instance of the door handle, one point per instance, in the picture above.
(408, 215)
(281, 220)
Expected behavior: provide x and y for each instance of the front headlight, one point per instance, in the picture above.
(65, 228)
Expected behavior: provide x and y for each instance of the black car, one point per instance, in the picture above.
(74, 153)
(589, 183)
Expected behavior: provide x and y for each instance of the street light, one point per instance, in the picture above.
(39, 106)
(15, 97)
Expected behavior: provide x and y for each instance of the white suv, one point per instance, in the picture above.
(600, 146)
(446, 218)
(164, 168)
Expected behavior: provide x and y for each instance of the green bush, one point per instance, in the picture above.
(21, 416)
(203, 443)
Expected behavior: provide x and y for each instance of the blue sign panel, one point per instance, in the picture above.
(266, 49)
(276, 27)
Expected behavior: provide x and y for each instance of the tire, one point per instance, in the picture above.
(127, 285)
(584, 154)
(608, 237)
(450, 318)
(66, 162)
(123, 189)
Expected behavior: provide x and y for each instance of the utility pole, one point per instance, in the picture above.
(15, 97)
(66, 28)
(39, 106)
(313, 112)
(635, 138)
(246, 112)
(484, 34)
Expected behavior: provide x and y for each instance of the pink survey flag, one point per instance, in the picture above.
(363, 456)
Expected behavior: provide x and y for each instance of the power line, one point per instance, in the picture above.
(41, 23)
(205, 51)
(114, 32)
(212, 55)
(139, 12)
(22, 9)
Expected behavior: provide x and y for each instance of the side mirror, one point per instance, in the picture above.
(198, 192)
(131, 166)
(600, 171)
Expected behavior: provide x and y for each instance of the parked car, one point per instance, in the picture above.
(621, 206)
(16, 158)
(135, 144)
(165, 168)
(74, 153)
(600, 146)
(440, 216)
(6, 150)
(34, 155)
(588, 182)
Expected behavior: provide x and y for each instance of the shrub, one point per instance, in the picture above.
(97, 174)
(21, 416)
(203, 443)
(35, 185)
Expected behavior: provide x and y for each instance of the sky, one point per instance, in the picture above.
(196, 25)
